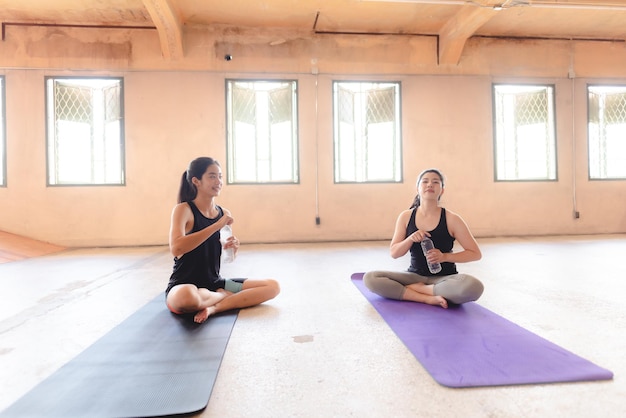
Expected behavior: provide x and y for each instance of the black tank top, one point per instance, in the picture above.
(200, 266)
(442, 241)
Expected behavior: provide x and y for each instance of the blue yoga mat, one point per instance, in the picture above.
(153, 364)
(468, 345)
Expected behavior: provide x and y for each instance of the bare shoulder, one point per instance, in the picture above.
(454, 219)
(182, 220)
(452, 215)
(461, 232)
(405, 215)
(403, 218)
(181, 207)
(182, 210)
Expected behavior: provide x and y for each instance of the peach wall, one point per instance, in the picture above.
(174, 111)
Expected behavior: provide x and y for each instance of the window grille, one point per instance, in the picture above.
(525, 144)
(262, 140)
(85, 131)
(607, 132)
(367, 132)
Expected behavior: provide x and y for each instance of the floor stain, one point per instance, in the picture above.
(303, 339)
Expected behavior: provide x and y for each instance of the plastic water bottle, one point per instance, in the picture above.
(228, 254)
(427, 245)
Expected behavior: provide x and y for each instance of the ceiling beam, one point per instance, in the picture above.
(455, 33)
(169, 25)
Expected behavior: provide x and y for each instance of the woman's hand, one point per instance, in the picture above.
(226, 220)
(435, 256)
(232, 242)
(418, 236)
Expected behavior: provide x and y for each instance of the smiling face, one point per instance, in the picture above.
(211, 182)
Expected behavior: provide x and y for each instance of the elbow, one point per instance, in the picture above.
(394, 254)
(176, 251)
(479, 255)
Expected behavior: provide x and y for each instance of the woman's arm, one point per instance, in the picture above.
(460, 231)
(400, 243)
(181, 222)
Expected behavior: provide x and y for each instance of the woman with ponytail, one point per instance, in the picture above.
(196, 286)
(426, 218)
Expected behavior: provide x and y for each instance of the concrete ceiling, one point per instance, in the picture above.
(452, 21)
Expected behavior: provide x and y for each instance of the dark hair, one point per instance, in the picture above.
(187, 191)
(416, 201)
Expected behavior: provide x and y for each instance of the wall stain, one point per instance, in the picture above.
(71, 47)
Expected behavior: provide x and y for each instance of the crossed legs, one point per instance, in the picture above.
(424, 293)
(435, 290)
(187, 298)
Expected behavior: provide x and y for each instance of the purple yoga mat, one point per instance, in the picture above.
(468, 345)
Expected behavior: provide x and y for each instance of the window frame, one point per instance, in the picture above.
(295, 129)
(398, 156)
(589, 164)
(551, 86)
(3, 133)
(48, 128)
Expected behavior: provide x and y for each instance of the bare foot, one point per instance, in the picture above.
(202, 315)
(437, 300)
(423, 288)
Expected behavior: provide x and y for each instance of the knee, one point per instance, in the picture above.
(274, 287)
(369, 280)
(460, 288)
(471, 289)
(475, 289)
(377, 282)
(184, 297)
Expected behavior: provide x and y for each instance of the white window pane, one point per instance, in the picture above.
(262, 134)
(73, 153)
(380, 148)
(85, 131)
(607, 132)
(616, 151)
(367, 132)
(524, 132)
(347, 153)
(244, 152)
(281, 151)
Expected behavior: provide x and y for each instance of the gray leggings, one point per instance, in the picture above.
(456, 288)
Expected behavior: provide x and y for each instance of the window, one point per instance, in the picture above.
(607, 132)
(525, 145)
(85, 131)
(262, 131)
(367, 132)
(3, 148)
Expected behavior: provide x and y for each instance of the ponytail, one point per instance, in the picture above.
(416, 202)
(187, 190)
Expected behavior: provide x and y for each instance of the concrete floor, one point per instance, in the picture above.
(320, 349)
